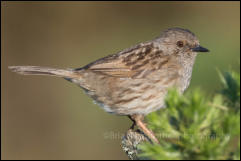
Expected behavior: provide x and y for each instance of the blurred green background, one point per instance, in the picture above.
(50, 118)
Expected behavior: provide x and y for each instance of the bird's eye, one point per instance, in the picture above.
(180, 44)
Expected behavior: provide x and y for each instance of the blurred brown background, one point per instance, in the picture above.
(50, 118)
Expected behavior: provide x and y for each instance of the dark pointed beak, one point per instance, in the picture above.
(200, 49)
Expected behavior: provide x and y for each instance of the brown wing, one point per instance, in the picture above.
(114, 68)
(135, 62)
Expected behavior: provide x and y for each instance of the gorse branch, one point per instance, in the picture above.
(193, 126)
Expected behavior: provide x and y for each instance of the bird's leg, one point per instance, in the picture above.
(139, 122)
(133, 123)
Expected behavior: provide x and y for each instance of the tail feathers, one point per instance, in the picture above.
(36, 70)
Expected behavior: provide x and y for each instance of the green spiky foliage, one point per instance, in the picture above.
(194, 126)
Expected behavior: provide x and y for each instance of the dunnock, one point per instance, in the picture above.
(135, 81)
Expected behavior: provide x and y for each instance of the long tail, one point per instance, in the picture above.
(36, 70)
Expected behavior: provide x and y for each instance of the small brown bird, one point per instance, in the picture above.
(135, 81)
